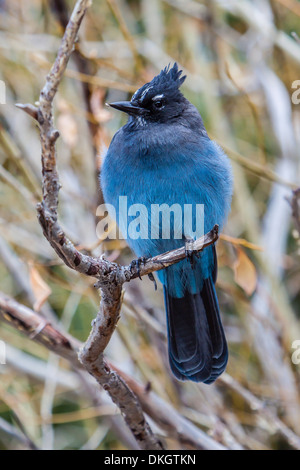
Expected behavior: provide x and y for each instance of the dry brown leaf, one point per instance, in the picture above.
(41, 290)
(244, 272)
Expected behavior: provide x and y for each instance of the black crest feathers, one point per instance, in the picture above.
(168, 81)
(170, 76)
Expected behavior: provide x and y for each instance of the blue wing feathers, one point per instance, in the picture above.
(189, 171)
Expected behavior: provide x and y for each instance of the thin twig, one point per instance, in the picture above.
(259, 170)
(125, 31)
(14, 433)
(26, 320)
(258, 407)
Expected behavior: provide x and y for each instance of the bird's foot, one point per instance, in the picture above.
(190, 252)
(136, 264)
(152, 278)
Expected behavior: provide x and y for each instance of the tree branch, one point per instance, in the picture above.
(110, 276)
(36, 327)
(47, 214)
(29, 323)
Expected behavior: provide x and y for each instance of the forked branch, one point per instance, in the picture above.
(110, 276)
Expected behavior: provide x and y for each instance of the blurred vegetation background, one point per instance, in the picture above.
(241, 58)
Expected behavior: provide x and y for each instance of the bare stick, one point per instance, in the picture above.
(47, 214)
(29, 323)
(33, 325)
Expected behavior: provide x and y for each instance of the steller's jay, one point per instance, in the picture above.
(163, 155)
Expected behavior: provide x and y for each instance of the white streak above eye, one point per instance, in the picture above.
(157, 97)
(145, 92)
(134, 95)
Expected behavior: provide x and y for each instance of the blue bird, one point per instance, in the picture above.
(163, 155)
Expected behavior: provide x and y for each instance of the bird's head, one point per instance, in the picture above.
(159, 100)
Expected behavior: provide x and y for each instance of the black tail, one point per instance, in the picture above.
(197, 344)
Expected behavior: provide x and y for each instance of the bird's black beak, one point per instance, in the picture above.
(128, 107)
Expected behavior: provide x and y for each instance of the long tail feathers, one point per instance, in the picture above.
(197, 343)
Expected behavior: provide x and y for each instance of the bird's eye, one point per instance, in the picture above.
(158, 104)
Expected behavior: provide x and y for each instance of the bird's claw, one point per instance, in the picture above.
(190, 252)
(152, 278)
(136, 264)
